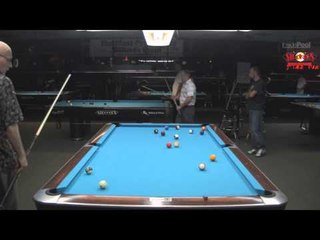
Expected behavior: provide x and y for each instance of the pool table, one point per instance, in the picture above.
(201, 100)
(82, 112)
(312, 113)
(166, 95)
(280, 103)
(294, 96)
(41, 98)
(143, 173)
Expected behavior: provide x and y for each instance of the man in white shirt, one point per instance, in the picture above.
(184, 90)
(301, 84)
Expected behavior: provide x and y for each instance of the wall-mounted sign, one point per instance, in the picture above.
(301, 60)
(133, 48)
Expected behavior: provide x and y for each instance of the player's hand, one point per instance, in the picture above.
(23, 162)
(174, 97)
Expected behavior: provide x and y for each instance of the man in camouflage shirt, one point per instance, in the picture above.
(12, 153)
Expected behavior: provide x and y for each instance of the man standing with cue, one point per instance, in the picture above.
(184, 90)
(12, 153)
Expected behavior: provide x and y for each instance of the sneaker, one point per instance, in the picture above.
(252, 151)
(261, 152)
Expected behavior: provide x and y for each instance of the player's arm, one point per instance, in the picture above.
(250, 93)
(176, 93)
(14, 137)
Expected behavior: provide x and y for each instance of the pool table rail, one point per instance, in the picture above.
(47, 199)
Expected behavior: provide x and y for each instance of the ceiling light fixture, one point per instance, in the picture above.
(158, 38)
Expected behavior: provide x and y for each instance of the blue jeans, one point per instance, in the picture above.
(256, 128)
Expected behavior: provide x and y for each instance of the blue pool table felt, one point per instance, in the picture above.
(136, 162)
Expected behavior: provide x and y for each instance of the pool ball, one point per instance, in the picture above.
(156, 131)
(177, 127)
(163, 133)
(212, 157)
(176, 136)
(203, 128)
(103, 184)
(201, 132)
(89, 170)
(166, 127)
(190, 131)
(176, 144)
(169, 145)
(202, 166)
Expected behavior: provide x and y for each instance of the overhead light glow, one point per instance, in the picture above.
(158, 37)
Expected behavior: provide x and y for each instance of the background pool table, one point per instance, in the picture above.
(82, 112)
(294, 96)
(142, 172)
(41, 99)
(312, 113)
(279, 104)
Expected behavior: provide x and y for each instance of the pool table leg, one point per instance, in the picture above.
(77, 128)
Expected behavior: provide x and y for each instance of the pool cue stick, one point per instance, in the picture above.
(152, 90)
(174, 100)
(14, 179)
(47, 115)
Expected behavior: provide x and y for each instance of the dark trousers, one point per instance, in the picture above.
(256, 128)
(187, 115)
(11, 200)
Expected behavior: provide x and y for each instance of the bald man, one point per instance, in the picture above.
(12, 153)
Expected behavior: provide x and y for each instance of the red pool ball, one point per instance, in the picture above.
(169, 145)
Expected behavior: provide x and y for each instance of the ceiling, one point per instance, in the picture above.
(254, 35)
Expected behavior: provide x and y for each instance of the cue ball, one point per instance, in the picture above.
(177, 127)
(176, 144)
(156, 131)
(176, 136)
(212, 157)
(190, 131)
(89, 170)
(103, 184)
(202, 166)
